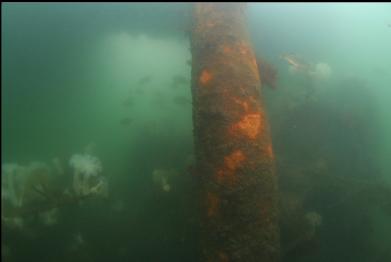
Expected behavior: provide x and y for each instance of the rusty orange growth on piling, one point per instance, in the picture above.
(213, 202)
(234, 160)
(227, 174)
(254, 67)
(243, 48)
(222, 256)
(227, 49)
(249, 125)
(269, 151)
(210, 24)
(205, 77)
(232, 140)
(243, 104)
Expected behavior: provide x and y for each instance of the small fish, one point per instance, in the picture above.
(78, 241)
(128, 102)
(295, 62)
(126, 121)
(188, 62)
(145, 80)
(181, 100)
(159, 99)
(179, 80)
(139, 90)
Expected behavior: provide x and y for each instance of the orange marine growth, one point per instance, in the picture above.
(269, 151)
(210, 24)
(212, 203)
(234, 160)
(243, 104)
(255, 68)
(225, 176)
(243, 48)
(223, 257)
(205, 77)
(227, 49)
(249, 125)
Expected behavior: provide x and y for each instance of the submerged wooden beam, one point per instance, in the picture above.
(234, 155)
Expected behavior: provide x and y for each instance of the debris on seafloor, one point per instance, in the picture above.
(35, 189)
(267, 72)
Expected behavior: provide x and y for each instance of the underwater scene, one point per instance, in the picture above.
(196, 132)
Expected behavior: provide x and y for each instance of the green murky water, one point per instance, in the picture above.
(100, 94)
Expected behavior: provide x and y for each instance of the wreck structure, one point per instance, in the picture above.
(233, 147)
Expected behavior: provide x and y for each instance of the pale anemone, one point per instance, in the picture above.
(161, 178)
(86, 180)
(12, 183)
(86, 164)
(314, 218)
(321, 71)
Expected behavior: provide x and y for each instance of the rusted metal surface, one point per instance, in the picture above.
(234, 155)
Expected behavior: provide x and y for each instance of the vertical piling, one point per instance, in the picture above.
(234, 155)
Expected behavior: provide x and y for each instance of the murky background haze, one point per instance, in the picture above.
(73, 74)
